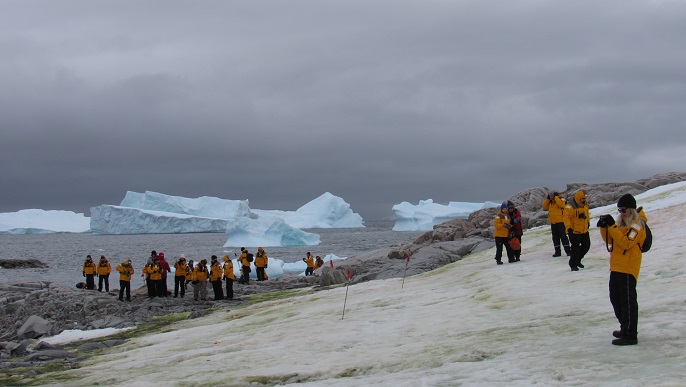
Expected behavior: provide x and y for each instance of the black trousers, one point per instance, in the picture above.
(309, 271)
(229, 288)
(152, 288)
(106, 279)
(179, 282)
(624, 302)
(499, 243)
(90, 281)
(246, 274)
(124, 285)
(559, 235)
(259, 271)
(579, 246)
(217, 288)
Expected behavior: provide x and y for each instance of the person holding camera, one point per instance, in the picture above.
(502, 233)
(555, 205)
(180, 276)
(200, 275)
(624, 240)
(577, 221)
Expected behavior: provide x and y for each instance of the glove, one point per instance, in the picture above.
(582, 216)
(84, 273)
(265, 266)
(516, 220)
(570, 231)
(609, 220)
(507, 226)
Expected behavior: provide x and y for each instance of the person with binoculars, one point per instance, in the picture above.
(577, 221)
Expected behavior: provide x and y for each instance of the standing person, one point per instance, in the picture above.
(216, 274)
(318, 262)
(89, 271)
(577, 221)
(261, 263)
(189, 272)
(163, 290)
(104, 270)
(228, 276)
(555, 205)
(125, 270)
(200, 276)
(516, 230)
(624, 241)
(180, 276)
(153, 273)
(309, 260)
(245, 258)
(502, 232)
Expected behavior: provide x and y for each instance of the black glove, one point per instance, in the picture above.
(570, 231)
(84, 273)
(582, 216)
(507, 225)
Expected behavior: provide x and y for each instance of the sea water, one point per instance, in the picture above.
(64, 253)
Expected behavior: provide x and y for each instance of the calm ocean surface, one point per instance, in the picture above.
(65, 253)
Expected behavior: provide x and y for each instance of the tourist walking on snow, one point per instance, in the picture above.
(309, 260)
(228, 276)
(261, 263)
(180, 277)
(555, 205)
(200, 275)
(125, 270)
(104, 270)
(577, 221)
(89, 271)
(216, 274)
(516, 231)
(624, 241)
(502, 232)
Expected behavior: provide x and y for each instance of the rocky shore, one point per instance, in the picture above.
(31, 311)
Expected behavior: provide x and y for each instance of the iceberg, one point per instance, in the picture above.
(204, 207)
(35, 221)
(266, 232)
(426, 214)
(326, 211)
(119, 220)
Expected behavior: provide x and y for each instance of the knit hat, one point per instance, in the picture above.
(503, 206)
(626, 201)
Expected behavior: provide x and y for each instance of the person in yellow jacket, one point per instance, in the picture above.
(189, 272)
(245, 259)
(309, 260)
(502, 224)
(624, 241)
(200, 275)
(261, 263)
(228, 276)
(89, 271)
(180, 276)
(555, 205)
(125, 270)
(153, 272)
(216, 274)
(103, 271)
(577, 221)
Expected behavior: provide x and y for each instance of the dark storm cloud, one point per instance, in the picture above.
(377, 102)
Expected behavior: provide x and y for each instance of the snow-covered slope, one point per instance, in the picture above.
(468, 323)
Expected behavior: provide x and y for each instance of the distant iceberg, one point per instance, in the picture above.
(119, 220)
(204, 207)
(427, 214)
(266, 232)
(326, 211)
(34, 221)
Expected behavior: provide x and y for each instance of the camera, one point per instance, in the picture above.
(605, 221)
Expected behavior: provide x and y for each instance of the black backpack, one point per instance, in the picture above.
(645, 247)
(249, 256)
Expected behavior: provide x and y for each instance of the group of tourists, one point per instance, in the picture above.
(570, 222)
(312, 263)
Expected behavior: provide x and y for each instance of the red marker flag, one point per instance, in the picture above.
(331, 263)
(408, 257)
(350, 273)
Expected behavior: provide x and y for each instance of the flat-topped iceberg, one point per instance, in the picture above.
(427, 214)
(35, 221)
(125, 220)
(205, 206)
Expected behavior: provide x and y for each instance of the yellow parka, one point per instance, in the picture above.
(502, 220)
(243, 259)
(104, 267)
(309, 260)
(261, 259)
(189, 272)
(625, 245)
(180, 268)
(555, 209)
(216, 271)
(89, 268)
(125, 270)
(153, 271)
(200, 274)
(228, 268)
(576, 215)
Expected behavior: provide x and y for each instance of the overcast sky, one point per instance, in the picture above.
(377, 102)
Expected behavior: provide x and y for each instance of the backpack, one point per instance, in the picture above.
(249, 257)
(645, 247)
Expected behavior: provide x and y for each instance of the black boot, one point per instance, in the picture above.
(617, 334)
(625, 340)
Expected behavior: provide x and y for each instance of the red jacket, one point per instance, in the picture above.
(516, 220)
